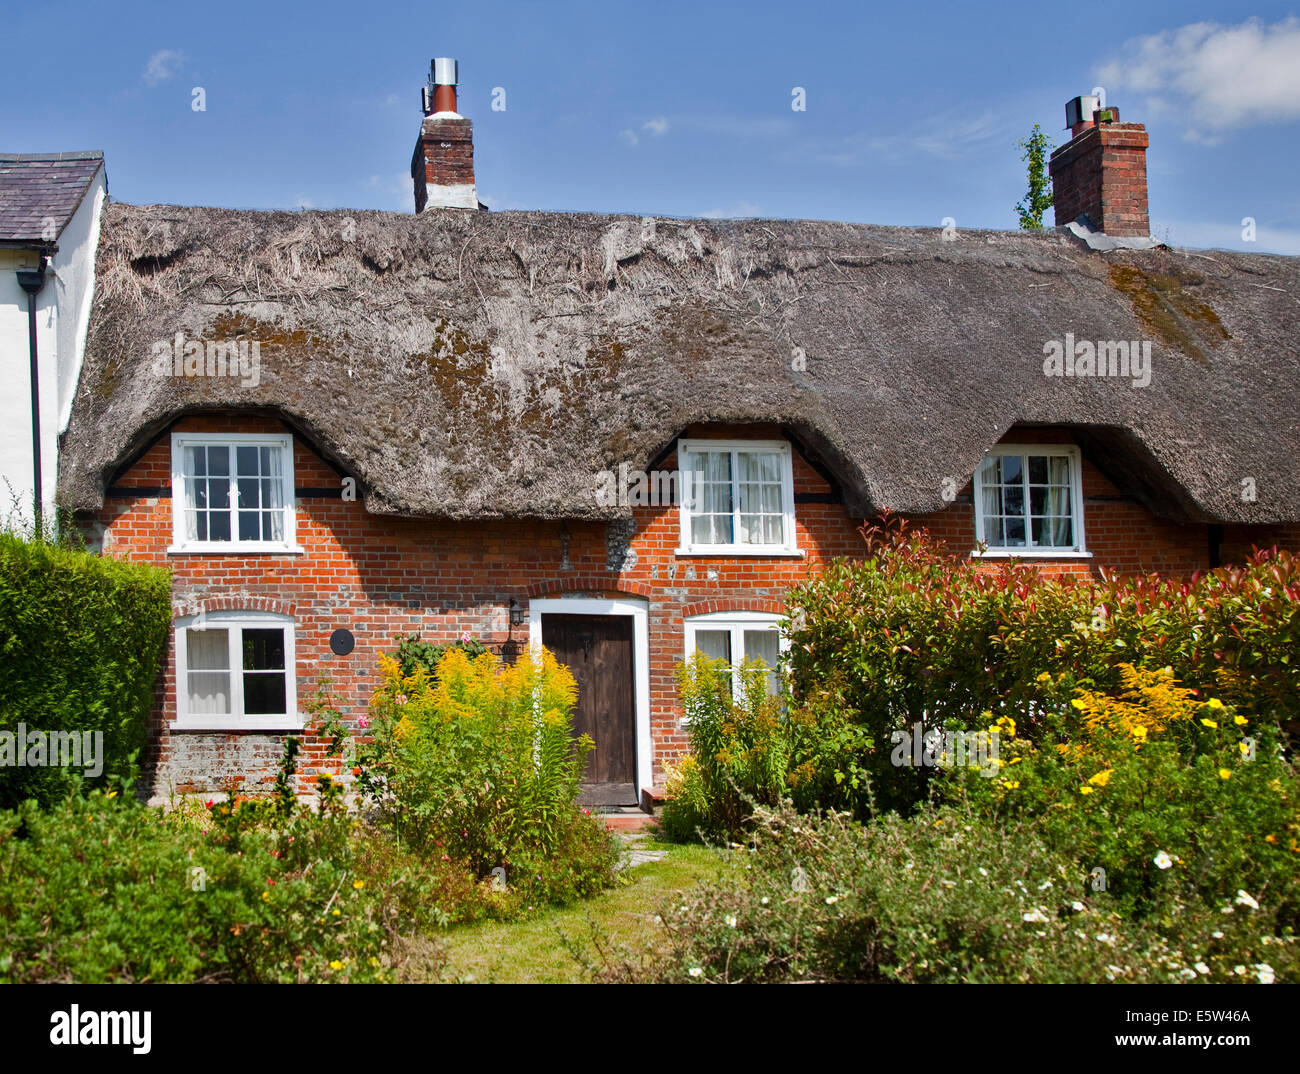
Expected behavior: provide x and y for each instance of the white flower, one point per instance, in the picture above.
(1044, 885)
(983, 871)
(1202, 968)
(1244, 899)
(1076, 905)
(763, 900)
(731, 921)
(695, 971)
(1037, 916)
(1187, 973)
(831, 900)
(907, 866)
(1264, 972)
(949, 883)
(1217, 935)
(1163, 860)
(1240, 971)
(658, 920)
(1104, 937)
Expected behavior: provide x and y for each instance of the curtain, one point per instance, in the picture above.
(273, 493)
(711, 517)
(764, 645)
(207, 653)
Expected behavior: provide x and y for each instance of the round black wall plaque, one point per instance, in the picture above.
(342, 642)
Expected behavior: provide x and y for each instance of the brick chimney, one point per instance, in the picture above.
(442, 167)
(1101, 173)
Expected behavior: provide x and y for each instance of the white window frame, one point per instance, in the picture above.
(685, 448)
(1079, 550)
(737, 623)
(180, 441)
(234, 623)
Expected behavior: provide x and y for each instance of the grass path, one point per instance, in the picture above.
(532, 952)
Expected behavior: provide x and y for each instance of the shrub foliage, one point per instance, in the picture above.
(82, 639)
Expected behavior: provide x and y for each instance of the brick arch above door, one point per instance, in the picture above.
(592, 583)
(733, 604)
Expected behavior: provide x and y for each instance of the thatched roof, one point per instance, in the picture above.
(473, 365)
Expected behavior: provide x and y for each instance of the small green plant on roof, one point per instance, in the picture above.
(1038, 199)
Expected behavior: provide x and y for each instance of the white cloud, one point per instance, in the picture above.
(1226, 235)
(629, 136)
(1220, 76)
(162, 65)
(656, 126)
(952, 135)
(744, 209)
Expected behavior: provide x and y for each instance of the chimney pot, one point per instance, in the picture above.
(442, 167)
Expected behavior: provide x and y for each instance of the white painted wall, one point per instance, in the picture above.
(62, 316)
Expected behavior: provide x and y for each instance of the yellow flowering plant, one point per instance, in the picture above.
(478, 761)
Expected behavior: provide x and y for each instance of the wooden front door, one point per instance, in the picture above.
(597, 649)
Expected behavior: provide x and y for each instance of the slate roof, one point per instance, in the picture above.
(34, 186)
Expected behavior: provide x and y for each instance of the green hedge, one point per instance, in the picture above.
(81, 643)
(912, 634)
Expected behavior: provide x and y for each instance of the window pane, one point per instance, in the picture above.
(1037, 499)
(1013, 497)
(1060, 470)
(715, 644)
(263, 649)
(218, 461)
(1038, 469)
(219, 526)
(246, 460)
(264, 693)
(208, 655)
(1011, 470)
(764, 644)
(1014, 531)
(250, 492)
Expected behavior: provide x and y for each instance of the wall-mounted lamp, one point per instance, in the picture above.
(516, 613)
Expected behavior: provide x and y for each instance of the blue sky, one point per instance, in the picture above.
(912, 113)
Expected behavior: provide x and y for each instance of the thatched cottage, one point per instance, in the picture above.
(625, 436)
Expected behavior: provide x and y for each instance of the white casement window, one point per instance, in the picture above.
(236, 670)
(1029, 501)
(232, 492)
(737, 499)
(736, 637)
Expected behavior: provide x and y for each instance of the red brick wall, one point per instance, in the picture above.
(379, 576)
(1103, 174)
(444, 156)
